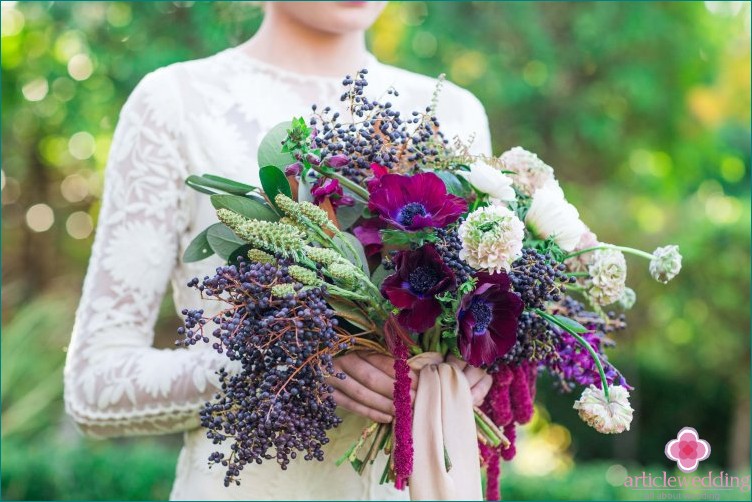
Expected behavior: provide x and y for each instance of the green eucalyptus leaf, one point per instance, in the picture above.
(251, 208)
(274, 181)
(210, 184)
(270, 149)
(241, 251)
(198, 249)
(222, 240)
(348, 215)
(378, 275)
(355, 243)
(452, 182)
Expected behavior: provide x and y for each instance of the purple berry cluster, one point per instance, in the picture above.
(375, 134)
(278, 405)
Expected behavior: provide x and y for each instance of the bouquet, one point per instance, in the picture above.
(376, 232)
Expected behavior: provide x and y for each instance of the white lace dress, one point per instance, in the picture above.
(203, 116)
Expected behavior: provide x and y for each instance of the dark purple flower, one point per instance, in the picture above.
(328, 187)
(487, 319)
(414, 202)
(338, 160)
(368, 235)
(418, 277)
(294, 169)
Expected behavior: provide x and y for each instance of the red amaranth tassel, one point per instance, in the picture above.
(403, 416)
(522, 403)
(511, 433)
(493, 471)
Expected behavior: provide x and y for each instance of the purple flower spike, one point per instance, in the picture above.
(414, 202)
(419, 276)
(487, 319)
(403, 417)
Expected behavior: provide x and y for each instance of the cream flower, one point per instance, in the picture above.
(491, 238)
(607, 416)
(608, 274)
(666, 263)
(491, 181)
(550, 215)
(530, 172)
(581, 262)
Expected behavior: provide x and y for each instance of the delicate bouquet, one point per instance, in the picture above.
(378, 233)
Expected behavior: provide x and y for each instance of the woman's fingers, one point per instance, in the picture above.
(481, 388)
(360, 409)
(386, 365)
(369, 376)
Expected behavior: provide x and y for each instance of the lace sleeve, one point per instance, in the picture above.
(116, 383)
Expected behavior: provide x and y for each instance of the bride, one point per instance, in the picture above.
(208, 115)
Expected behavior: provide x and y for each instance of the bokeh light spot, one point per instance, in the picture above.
(36, 90)
(79, 225)
(40, 217)
(616, 474)
(425, 44)
(722, 209)
(732, 169)
(74, 188)
(81, 145)
(679, 331)
(80, 67)
(535, 73)
(12, 21)
(468, 67)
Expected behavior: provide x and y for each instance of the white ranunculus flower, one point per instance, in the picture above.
(491, 238)
(491, 181)
(550, 215)
(666, 263)
(607, 416)
(608, 275)
(530, 172)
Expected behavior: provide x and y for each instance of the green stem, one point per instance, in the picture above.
(491, 435)
(594, 355)
(578, 274)
(624, 249)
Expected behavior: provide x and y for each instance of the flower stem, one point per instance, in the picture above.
(624, 249)
(594, 355)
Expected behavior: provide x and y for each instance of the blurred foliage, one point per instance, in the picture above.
(642, 108)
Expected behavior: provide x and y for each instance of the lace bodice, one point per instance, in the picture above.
(203, 116)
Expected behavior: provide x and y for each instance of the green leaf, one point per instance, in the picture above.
(270, 149)
(567, 324)
(198, 249)
(378, 275)
(210, 184)
(222, 240)
(402, 238)
(251, 208)
(452, 182)
(241, 251)
(274, 182)
(355, 243)
(348, 215)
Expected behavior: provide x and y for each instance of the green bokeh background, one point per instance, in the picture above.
(642, 108)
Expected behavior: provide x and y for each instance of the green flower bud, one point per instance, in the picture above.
(323, 256)
(304, 275)
(315, 214)
(274, 237)
(287, 205)
(282, 290)
(344, 272)
(259, 256)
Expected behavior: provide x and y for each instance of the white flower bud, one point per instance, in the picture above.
(491, 181)
(666, 263)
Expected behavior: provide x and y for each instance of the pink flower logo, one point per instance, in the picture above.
(687, 450)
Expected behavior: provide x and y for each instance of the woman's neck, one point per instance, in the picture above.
(292, 46)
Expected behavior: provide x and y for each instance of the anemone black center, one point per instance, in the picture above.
(482, 312)
(422, 279)
(409, 212)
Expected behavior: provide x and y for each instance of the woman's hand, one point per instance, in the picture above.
(369, 385)
(480, 381)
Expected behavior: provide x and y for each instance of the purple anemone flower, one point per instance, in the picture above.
(418, 277)
(487, 319)
(414, 202)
